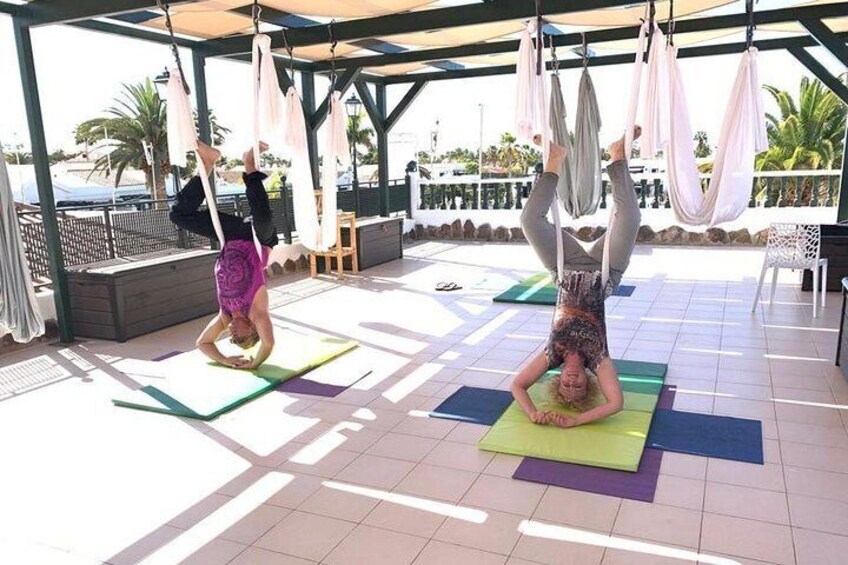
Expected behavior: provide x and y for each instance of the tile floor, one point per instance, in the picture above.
(366, 478)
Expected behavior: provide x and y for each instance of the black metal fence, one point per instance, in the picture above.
(785, 189)
(95, 233)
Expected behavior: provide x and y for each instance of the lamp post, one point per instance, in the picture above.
(109, 162)
(353, 107)
(480, 155)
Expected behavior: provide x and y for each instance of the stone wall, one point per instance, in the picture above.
(289, 266)
(674, 235)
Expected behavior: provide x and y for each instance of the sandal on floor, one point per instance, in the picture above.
(442, 286)
(452, 286)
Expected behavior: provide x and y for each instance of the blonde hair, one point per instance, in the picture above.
(585, 403)
(245, 341)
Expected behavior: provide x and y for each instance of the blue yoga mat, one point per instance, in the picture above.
(474, 405)
(721, 437)
(623, 290)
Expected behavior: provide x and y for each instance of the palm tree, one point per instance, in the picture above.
(702, 147)
(359, 136)
(139, 117)
(509, 155)
(807, 134)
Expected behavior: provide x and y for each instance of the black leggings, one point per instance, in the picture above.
(186, 213)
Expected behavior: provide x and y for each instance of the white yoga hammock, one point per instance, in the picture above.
(182, 138)
(19, 313)
(666, 126)
(268, 113)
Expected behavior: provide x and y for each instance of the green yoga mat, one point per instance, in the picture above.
(616, 442)
(199, 388)
(540, 290)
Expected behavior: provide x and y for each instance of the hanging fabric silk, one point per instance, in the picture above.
(529, 102)
(667, 127)
(579, 186)
(19, 313)
(300, 176)
(182, 138)
(742, 136)
(268, 113)
(336, 150)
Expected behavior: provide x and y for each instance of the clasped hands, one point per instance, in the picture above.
(553, 419)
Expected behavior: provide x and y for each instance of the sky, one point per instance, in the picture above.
(80, 72)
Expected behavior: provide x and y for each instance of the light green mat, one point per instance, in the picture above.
(613, 443)
(198, 388)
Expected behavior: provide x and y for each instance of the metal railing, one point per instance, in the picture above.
(769, 189)
(101, 232)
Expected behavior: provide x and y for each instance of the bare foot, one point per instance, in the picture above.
(616, 150)
(556, 155)
(209, 155)
(249, 158)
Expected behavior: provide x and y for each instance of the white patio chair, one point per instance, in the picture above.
(794, 246)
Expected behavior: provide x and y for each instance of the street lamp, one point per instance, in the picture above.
(353, 106)
(108, 161)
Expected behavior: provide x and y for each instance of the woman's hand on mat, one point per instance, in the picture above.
(539, 417)
(236, 362)
(563, 421)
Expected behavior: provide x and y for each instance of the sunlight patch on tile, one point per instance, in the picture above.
(795, 358)
(811, 404)
(219, 521)
(365, 414)
(490, 327)
(408, 384)
(450, 510)
(249, 424)
(574, 535)
(325, 444)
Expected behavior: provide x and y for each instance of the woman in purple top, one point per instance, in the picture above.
(240, 270)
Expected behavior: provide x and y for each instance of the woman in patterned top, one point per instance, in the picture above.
(588, 382)
(240, 268)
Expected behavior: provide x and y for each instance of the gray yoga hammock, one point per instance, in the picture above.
(579, 187)
(19, 314)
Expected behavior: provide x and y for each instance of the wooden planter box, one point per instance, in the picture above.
(378, 240)
(121, 299)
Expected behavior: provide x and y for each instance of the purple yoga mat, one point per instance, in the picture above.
(167, 355)
(640, 485)
(305, 386)
(666, 399)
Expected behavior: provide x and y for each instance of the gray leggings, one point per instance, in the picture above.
(623, 227)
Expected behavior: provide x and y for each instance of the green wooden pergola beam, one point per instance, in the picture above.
(343, 82)
(378, 119)
(830, 81)
(827, 39)
(842, 209)
(35, 123)
(422, 20)
(595, 36)
(606, 60)
(442, 18)
(405, 102)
